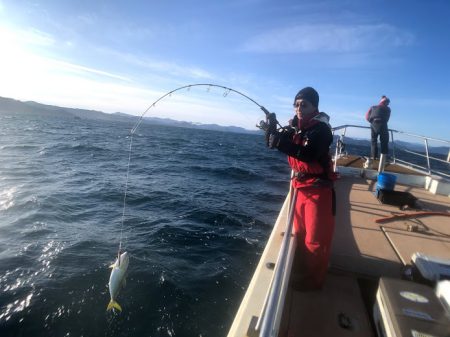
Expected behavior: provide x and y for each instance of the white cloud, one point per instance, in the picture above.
(168, 68)
(328, 38)
(19, 60)
(87, 19)
(70, 67)
(23, 38)
(36, 37)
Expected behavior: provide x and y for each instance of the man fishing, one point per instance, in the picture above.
(307, 142)
(378, 117)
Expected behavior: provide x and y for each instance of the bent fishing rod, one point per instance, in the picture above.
(270, 120)
(209, 85)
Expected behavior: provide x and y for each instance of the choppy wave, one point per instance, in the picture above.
(199, 208)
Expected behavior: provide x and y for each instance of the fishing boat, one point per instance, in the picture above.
(389, 269)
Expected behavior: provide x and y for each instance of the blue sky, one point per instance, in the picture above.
(123, 55)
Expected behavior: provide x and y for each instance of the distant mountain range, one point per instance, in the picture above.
(9, 106)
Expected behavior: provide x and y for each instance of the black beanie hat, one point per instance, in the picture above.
(308, 94)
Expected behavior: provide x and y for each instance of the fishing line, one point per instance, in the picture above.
(125, 194)
(141, 118)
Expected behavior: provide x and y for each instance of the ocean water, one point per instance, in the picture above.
(199, 209)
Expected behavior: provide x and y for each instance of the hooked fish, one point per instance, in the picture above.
(117, 279)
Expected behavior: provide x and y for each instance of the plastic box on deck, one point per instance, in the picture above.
(430, 269)
(405, 308)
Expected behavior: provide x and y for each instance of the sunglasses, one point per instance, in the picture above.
(302, 104)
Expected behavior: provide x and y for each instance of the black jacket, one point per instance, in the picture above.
(380, 113)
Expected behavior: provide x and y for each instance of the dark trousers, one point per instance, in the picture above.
(379, 129)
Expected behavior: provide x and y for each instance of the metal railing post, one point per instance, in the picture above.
(338, 151)
(335, 156)
(428, 156)
(393, 146)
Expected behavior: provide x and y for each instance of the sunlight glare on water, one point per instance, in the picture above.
(200, 207)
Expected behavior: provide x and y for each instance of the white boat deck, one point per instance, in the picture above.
(362, 251)
(360, 244)
(365, 250)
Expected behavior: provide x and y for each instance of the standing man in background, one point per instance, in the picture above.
(378, 117)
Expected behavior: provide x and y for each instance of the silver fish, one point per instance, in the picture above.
(117, 279)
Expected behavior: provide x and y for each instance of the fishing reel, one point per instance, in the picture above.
(269, 126)
(263, 125)
(270, 123)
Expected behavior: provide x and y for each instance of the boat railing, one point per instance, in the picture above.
(429, 168)
(270, 318)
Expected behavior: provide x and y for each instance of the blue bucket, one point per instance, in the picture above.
(386, 181)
